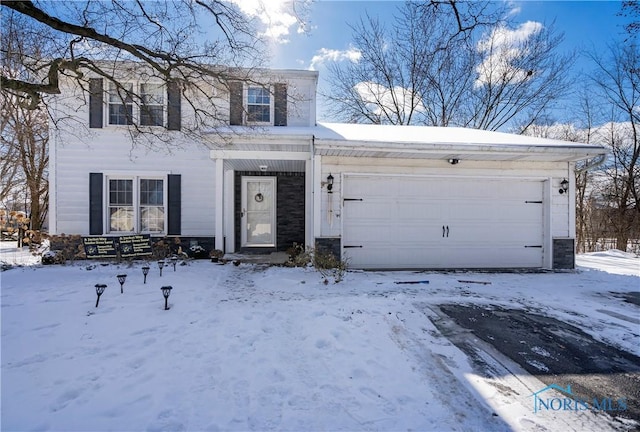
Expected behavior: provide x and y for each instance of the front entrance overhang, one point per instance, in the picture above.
(229, 161)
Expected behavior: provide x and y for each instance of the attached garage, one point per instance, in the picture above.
(400, 221)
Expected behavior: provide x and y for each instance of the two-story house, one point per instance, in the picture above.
(265, 175)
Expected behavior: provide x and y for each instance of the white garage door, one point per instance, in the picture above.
(396, 222)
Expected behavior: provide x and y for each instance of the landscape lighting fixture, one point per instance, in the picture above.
(160, 265)
(174, 261)
(564, 186)
(121, 279)
(330, 183)
(166, 291)
(145, 272)
(454, 161)
(99, 290)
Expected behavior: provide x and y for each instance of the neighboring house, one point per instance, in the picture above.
(379, 196)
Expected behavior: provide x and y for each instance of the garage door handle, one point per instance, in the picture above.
(442, 231)
(447, 231)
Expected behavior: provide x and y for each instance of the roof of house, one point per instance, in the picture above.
(423, 142)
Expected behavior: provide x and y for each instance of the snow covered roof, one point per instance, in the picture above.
(423, 142)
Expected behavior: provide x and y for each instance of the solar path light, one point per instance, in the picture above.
(160, 266)
(145, 272)
(166, 291)
(121, 279)
(99, 290)
(174, 261)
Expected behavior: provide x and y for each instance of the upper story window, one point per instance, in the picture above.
(254, 104)
(120, 104)
(259, 105)
(152, 107)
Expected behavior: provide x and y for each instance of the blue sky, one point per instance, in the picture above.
(586, 25)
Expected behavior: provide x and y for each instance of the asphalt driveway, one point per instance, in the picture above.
(557, 353)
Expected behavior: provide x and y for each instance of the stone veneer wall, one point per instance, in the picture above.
(329, 244)
(564, 255)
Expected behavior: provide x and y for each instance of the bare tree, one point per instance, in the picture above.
(449, 63)
(24, 131)
(616, 84)
(182, 42)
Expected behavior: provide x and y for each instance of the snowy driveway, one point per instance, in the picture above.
(250, 348)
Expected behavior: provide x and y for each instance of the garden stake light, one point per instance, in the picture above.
(174, 261)
(160, 265)
(121, 279)
(145, 272)
(99, 290)
(166, 291)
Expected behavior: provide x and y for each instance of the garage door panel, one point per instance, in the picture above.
(398, 222)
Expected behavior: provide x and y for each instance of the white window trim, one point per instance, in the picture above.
(245, 104)
(135, 112)
(153, 175)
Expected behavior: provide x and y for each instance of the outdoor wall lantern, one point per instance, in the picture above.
(454, 161)
(166, 291)
(121, 279)
(564, 186)
(174, 261)
(145, 272)
(330, 183)
(99, 290)
(160, 265)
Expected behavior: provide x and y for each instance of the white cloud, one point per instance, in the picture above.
(503, 46)
(277, 17)
(379, 99)
(325, 54)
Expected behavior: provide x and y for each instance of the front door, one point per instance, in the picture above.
(258, 221)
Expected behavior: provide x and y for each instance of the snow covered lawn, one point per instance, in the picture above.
(255, 348)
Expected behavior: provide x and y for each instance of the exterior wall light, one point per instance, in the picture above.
(330, 183)
(454, 161)
(564, 186)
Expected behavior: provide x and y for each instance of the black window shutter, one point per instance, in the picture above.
(95, 204)
(96, 94)
(174, 219)
(173, 106)
(280, 105)
(235, 103)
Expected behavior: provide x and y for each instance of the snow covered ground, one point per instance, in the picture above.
(256, 348)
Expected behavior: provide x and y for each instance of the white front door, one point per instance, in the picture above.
(258, 221)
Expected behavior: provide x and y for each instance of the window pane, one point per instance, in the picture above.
(152, 219)
(121, 192)
(151, 191)
(259, 113)
(151, 115)
(121, 219)
(152, 94)
(120, 114)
